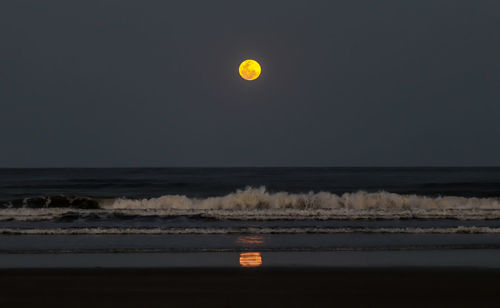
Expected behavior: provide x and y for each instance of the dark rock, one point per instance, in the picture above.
(84, 203)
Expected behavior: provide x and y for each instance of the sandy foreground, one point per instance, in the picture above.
(292, 287)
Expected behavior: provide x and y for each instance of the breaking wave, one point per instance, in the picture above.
(261, 199)
(259, 204)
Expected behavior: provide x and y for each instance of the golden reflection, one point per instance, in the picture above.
(250, 259)
(250, 239)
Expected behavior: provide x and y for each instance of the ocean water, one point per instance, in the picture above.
(249, 212)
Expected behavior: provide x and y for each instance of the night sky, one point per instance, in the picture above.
(343, 83)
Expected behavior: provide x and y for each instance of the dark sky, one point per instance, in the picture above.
(343, 83)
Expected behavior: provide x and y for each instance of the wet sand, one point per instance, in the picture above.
(258, 287)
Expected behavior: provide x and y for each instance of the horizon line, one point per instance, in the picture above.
(255, 167)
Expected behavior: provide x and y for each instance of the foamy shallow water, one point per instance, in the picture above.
(44, 244)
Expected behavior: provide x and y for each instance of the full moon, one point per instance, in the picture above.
(249, 69)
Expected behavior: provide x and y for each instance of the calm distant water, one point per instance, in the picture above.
(207, 182)
(248, 210)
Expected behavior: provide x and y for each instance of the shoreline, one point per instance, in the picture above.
(436, 258)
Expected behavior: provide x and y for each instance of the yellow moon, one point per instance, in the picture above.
(250, 69)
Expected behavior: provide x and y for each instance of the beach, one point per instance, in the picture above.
(258, 287)
(250, 237)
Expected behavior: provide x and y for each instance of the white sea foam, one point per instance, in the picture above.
(309, 230)
(260, 199)
(259, 204)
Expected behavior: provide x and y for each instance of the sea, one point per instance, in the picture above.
(250, 217)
